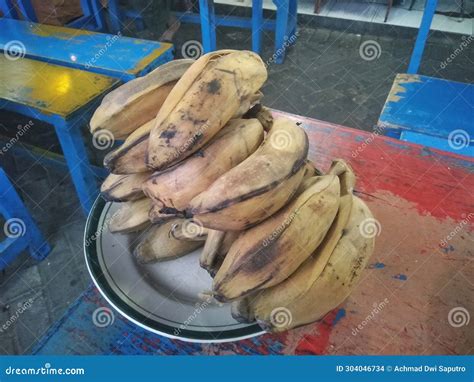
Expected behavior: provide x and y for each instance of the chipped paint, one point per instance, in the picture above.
(398, 87)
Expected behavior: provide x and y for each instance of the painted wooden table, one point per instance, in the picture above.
(63, 97)
(114, 55)
(415, 297)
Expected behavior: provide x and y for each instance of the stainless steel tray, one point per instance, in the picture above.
(161, 297)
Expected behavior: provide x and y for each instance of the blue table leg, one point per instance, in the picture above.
(257, 25)
(8, 9)
(114, 16)
(208, 25)
(417, 54)
(20, 228)
(293, 19)
(98, 15)
(69, 135)
(281, 29)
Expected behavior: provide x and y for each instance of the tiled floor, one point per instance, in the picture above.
(324, 76)
(374, 12)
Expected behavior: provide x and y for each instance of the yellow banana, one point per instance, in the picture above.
(174, 187)
(259, 186)
(136, 102)
(267, 254)
(208, 95)
(129, 158)
(158, 245)
(302, 279)
(131, 216)
(121, 188)
(338, 278)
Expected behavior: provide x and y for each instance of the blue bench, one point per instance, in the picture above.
(430, 111)
(284, 25)
(65, 98)
(113, 55)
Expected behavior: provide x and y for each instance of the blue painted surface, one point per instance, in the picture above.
(400, 277)
(18, 222)
(113, 55)
(423, 31)
(377, 266)
(438, 143)
(341, 313)
(432, 112)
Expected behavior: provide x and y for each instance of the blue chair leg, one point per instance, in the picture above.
(70, 138)
(208, 25)
(281, 29)
(417, 55)
(257, 25)
(20, 228)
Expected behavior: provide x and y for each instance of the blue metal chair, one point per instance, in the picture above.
(20, 229)
(284, 25)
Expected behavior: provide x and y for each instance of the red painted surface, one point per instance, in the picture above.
(429, 178)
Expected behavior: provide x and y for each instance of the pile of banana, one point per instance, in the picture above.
(203, 163)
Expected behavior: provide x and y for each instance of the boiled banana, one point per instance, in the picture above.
(205, 98)
(215, 249)
(129, 158)
(270, 252)
(259, 186)
(331, 287)
(302, 279)
(121, 188)
(174, 188)
(136, 102)
(131, 216)
(158, 245)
